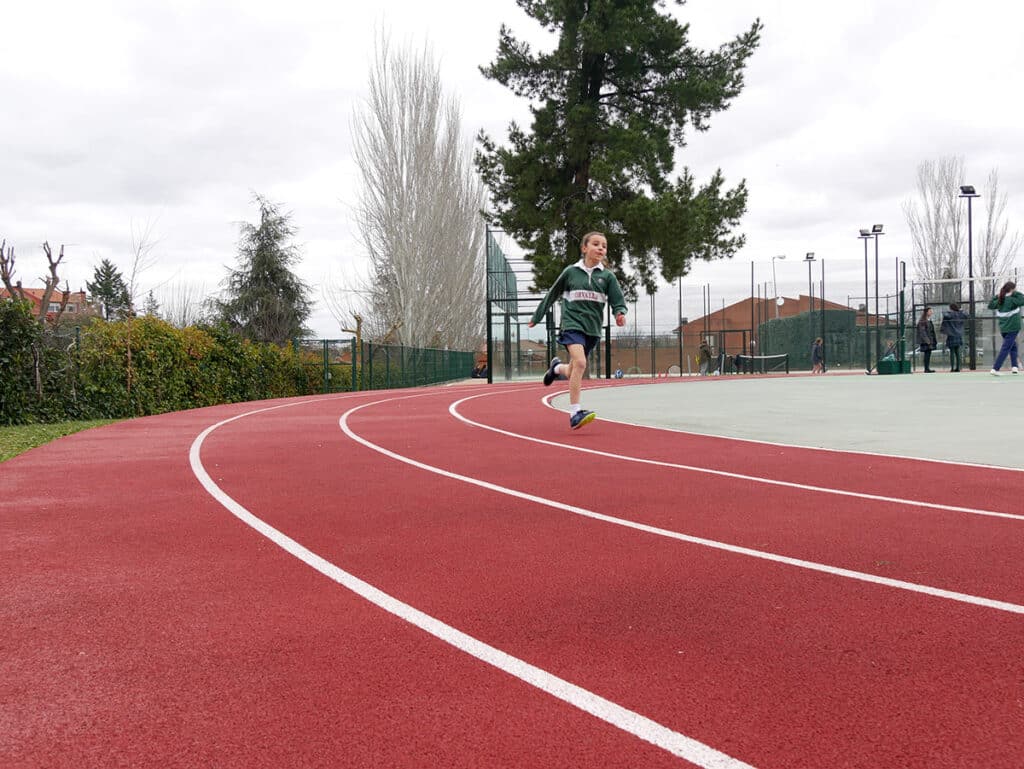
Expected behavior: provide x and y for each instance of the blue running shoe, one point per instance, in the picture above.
(580, 418)
(550, 375)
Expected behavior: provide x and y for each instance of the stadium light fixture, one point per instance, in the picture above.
(967, 191)
(876, 229)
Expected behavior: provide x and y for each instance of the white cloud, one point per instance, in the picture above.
(120, 113)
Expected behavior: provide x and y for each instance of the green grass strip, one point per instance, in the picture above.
(21, 438)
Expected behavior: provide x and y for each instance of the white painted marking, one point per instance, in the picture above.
(736, 549)
(453, 410)
(629, 721)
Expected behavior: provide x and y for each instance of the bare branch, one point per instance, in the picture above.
(7, 271)
(50, 283)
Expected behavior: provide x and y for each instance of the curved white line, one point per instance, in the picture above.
(453, 410)
(627, 720)
(936, 592)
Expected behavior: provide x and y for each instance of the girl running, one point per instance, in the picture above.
(584, 288)
(1007, 306)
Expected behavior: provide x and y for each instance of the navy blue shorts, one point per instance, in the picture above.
(571, 336)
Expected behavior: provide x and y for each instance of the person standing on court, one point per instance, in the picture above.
(818, 356)
(1007, 306)
(704, 357)
(584, 288)
(926, 340)
(952, 327)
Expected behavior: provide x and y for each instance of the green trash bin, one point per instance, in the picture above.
(893, 367)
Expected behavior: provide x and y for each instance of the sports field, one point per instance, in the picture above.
(451, 577)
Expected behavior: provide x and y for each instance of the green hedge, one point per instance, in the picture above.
(135, 367)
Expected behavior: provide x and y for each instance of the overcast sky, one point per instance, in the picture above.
(167, 116)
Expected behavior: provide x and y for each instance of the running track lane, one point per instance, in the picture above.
(143, 625)
(427, 556)
(390, 536)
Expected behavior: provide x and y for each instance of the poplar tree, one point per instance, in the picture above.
(611, 104)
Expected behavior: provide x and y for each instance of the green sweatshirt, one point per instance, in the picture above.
(1009, 312)
(584, 293)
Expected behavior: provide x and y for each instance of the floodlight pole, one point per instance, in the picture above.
(680, 316)
(775, 286)
(878, 336)
(865, 235)
(967, 191)
(810, 293)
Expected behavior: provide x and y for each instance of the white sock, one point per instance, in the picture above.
(574, 407)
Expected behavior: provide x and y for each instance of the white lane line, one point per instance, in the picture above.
(862, 452)
(936, 592)
(628, 721)
(453, 410)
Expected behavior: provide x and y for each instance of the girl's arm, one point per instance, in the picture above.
(553, 293)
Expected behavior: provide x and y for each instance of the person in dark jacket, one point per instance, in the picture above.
(952, 327)
(926, 341)
(818, 356)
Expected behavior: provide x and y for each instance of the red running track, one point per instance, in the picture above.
(477, 591)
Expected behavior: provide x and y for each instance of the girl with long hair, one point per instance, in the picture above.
(584, 288)
(1007, 306)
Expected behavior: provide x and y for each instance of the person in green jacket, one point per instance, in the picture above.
(1007, 306)
(584, 288)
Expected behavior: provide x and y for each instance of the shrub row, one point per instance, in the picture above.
(135, 367)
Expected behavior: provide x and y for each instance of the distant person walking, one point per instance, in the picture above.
(1007, 306)
(584, 288)
(926, 340)
(818, 356)
(952, 327)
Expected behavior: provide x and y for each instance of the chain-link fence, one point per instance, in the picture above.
(348, 365)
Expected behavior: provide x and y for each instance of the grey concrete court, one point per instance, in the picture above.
(969, 417)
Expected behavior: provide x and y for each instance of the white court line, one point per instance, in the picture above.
(936, 592)
(453, 410)
(627, 720)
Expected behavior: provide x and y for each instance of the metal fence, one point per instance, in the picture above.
(349, 365)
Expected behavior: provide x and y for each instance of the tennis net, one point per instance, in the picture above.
(763, 364)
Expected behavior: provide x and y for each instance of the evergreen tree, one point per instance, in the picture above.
(108, 288)
(610, 104)
(151, 307)
(266, 301)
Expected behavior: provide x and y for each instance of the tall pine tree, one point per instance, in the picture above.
(109, 289)
(610, 104)
(266, 301)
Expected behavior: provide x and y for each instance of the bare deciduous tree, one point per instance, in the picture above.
(142, 258)
(995, 250)
(936, 220)
(50, 281)
(183, 304)
(419, 212)
(939, 228)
